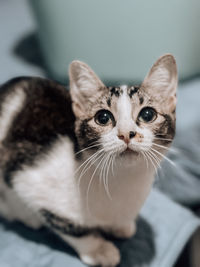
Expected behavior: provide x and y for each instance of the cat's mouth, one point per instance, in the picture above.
(128, 152)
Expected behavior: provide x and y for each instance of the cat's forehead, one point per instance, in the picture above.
(123, 89)
(130, 93)
(117, 99)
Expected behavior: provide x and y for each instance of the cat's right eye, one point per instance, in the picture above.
(104, 117)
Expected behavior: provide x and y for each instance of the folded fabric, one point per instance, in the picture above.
(172, 224)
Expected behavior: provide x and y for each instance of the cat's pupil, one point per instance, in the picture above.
(102, 117)
(147, 114)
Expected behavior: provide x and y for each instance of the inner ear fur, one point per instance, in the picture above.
(84, 84)
(162, 80)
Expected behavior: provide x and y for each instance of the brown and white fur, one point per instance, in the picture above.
(61, 168)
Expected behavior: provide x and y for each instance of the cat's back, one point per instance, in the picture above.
(35, 109)
(34, 113)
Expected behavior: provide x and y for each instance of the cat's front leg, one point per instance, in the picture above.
(91, 247)
(123, 231)
(94, 250)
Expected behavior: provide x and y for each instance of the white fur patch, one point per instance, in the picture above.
(124, 110)
(50, 183)
(13, 208)
(10, 108)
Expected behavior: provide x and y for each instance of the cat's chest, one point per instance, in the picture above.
(116, 194)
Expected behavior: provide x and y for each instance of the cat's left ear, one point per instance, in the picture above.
(84, 86)
(162, 80)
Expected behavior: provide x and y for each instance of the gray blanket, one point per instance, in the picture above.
(182, 181)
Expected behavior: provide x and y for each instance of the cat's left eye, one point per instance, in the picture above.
(147, 114)
(104, 117)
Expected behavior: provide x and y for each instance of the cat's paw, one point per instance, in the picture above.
(105, 255)
(125, 231)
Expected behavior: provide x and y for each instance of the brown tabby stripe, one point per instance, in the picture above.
(66, 226)
(117, 91)
(132, 90)
(141, 99)
(166, 129)
(86, 135)
(109, 102)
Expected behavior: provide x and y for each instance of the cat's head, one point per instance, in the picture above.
(132, 119)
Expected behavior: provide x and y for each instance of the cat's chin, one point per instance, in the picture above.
(129, 153)
(128, 158)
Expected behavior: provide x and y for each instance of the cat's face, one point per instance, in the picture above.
(125, 120)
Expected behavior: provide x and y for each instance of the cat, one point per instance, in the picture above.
(82, 161)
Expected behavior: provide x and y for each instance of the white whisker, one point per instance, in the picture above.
(170, 161)
(112, 167)
(91, 162)
(87, 160)
(86, 148)
(163, 134)
(164, 139)
(155, 157)
(104, 172)
(153, 164)
(91, 179)
(172, 149)
(145, 158)
(107, 176)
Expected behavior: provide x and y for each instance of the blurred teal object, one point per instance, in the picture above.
(119, 39)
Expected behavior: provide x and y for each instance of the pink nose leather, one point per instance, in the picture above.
(126, 137)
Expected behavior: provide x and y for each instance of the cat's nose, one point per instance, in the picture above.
(132, 134)
(126, 137)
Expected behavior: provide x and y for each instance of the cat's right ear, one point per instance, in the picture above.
(84, 84)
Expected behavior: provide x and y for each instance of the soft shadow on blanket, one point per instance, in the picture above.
(137, 251)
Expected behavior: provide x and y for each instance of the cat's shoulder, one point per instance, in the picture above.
(34, 86)
(41, 109)
(35, 113)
